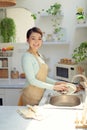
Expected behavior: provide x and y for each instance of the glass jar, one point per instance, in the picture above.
(14, 74)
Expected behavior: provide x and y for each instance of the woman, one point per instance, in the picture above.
(36, 71)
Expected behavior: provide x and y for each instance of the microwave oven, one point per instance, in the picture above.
(65, 72)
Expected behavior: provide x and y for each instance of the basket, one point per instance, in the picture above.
(6, 53)
(7, 3)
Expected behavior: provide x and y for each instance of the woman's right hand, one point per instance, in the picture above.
(60, 87)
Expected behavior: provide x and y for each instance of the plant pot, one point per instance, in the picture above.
(81, 21)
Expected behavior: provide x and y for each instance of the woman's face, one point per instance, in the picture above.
(35, 41)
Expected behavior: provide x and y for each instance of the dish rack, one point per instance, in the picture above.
(6, 53)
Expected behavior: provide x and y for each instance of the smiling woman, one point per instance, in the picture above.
(23, 21)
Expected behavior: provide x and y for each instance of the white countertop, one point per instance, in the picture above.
(12, 83)
(55, 119)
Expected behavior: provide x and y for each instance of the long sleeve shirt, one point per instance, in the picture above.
(30, 67)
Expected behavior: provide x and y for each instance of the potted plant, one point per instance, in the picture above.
(8, 29)
(80, 15)
(80, 53)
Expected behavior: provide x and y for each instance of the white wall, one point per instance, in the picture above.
(23, 21)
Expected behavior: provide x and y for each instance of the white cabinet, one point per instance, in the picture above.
(5, 66)
(2, 97)
(9, 97)
(12, 96)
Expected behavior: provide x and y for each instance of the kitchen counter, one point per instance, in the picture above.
(54, 119)
(12, 83)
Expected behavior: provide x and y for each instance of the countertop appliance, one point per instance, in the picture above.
(65, 71)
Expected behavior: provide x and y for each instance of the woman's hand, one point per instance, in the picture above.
(61, 87)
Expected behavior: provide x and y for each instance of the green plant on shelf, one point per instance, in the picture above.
(80, 53)
(54, 9)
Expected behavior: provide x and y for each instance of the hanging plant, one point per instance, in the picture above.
(54, 9)
(8, 30)
(34, 16)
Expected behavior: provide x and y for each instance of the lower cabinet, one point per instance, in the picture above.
(2, 97)
(12, 96)
(9, 97)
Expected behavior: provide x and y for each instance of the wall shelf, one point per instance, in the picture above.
(56, 43)
(44, 14)
(82, 25)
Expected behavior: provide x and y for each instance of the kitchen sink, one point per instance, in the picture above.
(65, 100)
(51, 97)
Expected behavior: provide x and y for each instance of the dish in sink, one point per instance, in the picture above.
(71, 89)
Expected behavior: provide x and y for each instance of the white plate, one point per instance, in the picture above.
(71, 89)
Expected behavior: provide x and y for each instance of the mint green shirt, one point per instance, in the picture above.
(30, 67)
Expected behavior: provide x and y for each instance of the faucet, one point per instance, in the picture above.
(84, 83)
(81, 76)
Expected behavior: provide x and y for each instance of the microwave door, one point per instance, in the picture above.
(62, 73)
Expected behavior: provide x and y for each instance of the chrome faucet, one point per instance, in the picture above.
(81, 76)
(84, 83)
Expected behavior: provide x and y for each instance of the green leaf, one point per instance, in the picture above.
(80, 53)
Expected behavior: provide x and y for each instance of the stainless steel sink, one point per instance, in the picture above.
(65, 100)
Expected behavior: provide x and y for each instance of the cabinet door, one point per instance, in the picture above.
(12, 97)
